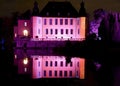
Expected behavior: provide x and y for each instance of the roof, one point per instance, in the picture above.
(59, 9)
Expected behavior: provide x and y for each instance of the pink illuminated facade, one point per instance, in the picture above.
(53, 25)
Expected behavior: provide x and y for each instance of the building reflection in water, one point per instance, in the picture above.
(40, 65)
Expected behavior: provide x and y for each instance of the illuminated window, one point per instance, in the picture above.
(15, 35)
(25, 61)
(25, 23)
(25, 32)
(25, 69)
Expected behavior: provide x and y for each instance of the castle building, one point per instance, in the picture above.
(57, 21)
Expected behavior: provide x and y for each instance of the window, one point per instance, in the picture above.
(61, 63)
(38, 21)
(46, 31)
(60, 73)
(70, 73)
(78, 31)
(25, 32)
(55, 72)
(61, 31)
(55, 63)
(71, 21)
(25, 69)
(25, 23)
(61, 21)
(39, 64)
(78, 64)
(44, 73)
(65, 73)
(38, 31)
(66, 21)
(45, 21)
(66, 31)
(56, 31)
(71, 31)
(50, 21)
(39, 73)
(51, 31)
(50, 63)
(50, 73)
(71, 64)
(46, 63)
(56, 21)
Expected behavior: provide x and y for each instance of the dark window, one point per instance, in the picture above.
(45, 21)
(65, 73)
(55, 63)
(56, 21)
(46, 31)
(71, 21)
(39, 64)
(61, 63)
(61, 21)
(61, 31)
(50, 73)
(66, 21)
(71, 31)
(60, 73)
(56, 31)
(71, 64)
(51, 31)
(46, 63)
(78, 64)
(66, 31)
(70, 73)
(50, 63)
(50, 21)
(55, 73)
(38, 31)
(78, 31)
(44, 73)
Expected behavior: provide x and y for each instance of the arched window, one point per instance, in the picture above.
(25, 32)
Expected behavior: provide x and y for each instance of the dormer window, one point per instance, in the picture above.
(47, 13)
(58, 14)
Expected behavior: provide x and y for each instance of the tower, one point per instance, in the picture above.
(35, 9)
(82, 21)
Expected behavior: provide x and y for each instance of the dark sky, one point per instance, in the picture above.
(7, 7)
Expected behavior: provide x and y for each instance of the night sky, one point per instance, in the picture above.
(7, 7)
